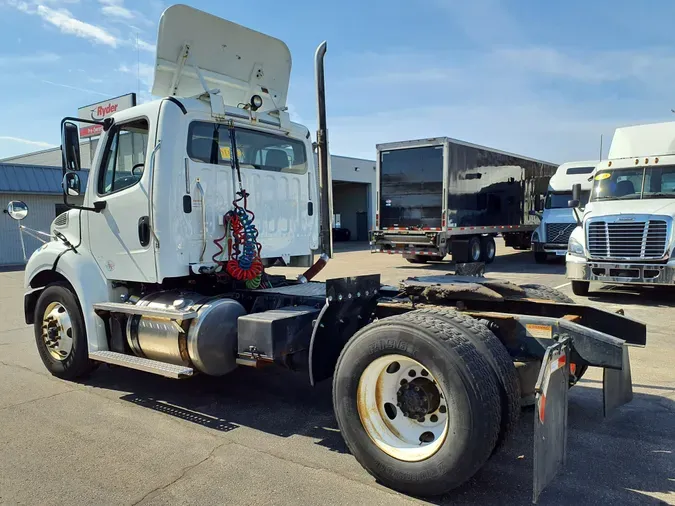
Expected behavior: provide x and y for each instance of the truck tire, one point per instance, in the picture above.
(488, 249)
(416, 259)
(580, 288)
(442, 418)
(497, 356)
(540, 257)
(475, 249)
(543, 292)
(60, 334)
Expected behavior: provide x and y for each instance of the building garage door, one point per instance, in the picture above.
(351, 210)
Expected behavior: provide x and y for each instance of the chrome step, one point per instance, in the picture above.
(142, 364)
(121, 307)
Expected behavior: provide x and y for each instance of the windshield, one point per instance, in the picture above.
(634, 183)
(210, 143)
(559, 200)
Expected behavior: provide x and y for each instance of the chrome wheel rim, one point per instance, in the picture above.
(491, 249)
(57, 331)
(475, 251)
(402, 408)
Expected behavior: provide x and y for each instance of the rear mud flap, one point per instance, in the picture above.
(617, 385)
(550, 416)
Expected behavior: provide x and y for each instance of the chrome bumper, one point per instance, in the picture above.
(547, 247)
(644, 274)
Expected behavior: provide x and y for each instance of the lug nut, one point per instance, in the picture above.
(420, 419)
(433, 418)
(442, 409)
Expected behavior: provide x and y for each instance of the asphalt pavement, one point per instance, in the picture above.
(267, 437)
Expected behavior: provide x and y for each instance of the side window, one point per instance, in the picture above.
(123, 161)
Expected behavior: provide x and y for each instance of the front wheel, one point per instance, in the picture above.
(60, 333)
(416, 403)
(580, 288)
(540, 257)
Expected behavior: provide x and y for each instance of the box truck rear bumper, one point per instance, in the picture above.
(629, 273)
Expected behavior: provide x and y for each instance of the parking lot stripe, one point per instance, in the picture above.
(562, 286)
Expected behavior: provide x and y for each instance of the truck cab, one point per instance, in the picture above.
(557, 219)
(625, 234)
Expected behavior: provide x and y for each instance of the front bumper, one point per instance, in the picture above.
(612, 272)
(546, 247)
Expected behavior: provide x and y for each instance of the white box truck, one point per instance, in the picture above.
(557, 219)
(161, 270)
(625, 232)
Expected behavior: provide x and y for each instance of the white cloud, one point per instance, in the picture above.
(38, 58)
(76, 88)
(64, 21)
(144, 71)
(146, 46)
(116, 9)
(20, 140)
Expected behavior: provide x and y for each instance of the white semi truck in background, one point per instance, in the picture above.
(625, 232)
(557, 219)
(162, 270)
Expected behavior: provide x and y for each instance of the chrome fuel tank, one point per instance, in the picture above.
(208, 343)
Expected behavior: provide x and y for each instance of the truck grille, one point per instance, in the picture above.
(559, 233)
(637, 239)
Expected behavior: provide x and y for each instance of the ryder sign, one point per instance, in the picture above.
(102, 110)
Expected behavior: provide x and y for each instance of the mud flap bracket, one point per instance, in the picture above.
(617, 385)
(550, 416)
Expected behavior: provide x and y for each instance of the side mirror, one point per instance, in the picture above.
(17, 210)
(576, 192)
(70, 146)
(71, 184)
(574, 203)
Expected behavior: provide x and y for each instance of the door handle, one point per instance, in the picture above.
(144, 230)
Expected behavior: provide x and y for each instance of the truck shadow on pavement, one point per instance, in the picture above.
(519, 263)
(633, 296)
(617, 460)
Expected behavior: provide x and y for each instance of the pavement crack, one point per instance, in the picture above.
(36, 400)
(17, 366)
(181, 475)
(412, 500)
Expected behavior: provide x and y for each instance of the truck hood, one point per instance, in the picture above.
(563, 215)
(645, 206)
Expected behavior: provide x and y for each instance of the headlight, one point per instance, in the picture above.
(574, 247)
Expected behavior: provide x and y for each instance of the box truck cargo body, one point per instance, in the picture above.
(442, 196)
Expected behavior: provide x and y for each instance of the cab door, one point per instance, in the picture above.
(120, 235)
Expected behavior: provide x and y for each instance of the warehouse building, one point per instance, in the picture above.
(40, 188)
(35, 178)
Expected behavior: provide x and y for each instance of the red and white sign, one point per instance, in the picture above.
(102, 110)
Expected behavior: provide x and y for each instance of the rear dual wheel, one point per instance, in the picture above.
(417, 403)
(482, 249)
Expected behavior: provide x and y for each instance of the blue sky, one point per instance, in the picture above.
(543, 79)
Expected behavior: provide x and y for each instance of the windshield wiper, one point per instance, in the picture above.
(660, 195)
(630, 196)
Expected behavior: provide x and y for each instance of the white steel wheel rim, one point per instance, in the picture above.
(379, 396)
(57, 331)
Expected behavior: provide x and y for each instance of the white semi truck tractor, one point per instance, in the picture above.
(163, 270)
(557, 220)
(625, 232)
